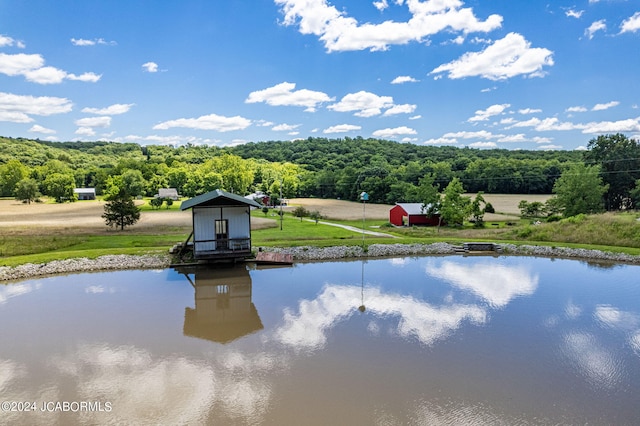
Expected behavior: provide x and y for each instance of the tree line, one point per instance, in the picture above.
(315, 167)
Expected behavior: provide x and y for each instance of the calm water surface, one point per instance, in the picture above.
(430, 340)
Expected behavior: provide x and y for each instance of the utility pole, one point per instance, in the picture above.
(364, 197)
(281, 204)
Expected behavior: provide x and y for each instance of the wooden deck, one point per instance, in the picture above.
(267, 258)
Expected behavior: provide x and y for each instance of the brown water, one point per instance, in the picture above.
(430, 340)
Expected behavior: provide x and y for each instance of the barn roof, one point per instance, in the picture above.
(218, 197)
(413, 208)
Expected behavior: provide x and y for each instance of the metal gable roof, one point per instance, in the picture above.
(414, 208)
(208, 197)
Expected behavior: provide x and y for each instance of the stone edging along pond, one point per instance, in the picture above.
(306, 253)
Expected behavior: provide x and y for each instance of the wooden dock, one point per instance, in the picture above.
(269, 258)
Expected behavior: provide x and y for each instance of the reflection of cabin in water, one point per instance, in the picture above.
(223, 310)
(221, 225)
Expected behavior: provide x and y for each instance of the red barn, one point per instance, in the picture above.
(410, 214)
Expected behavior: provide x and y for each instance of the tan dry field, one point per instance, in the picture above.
(86, 215)
(506, 206)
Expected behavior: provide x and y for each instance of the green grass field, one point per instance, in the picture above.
(619, 232)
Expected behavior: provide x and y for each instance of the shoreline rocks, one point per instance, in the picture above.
(304, 253)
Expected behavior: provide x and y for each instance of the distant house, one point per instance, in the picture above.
(409, 214)
(221, 225)
(85, 193)
(171, 193)
(260, 197)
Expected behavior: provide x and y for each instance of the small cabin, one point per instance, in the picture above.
(171, 193)
(85, 193)
(221, 225)
(409, 214)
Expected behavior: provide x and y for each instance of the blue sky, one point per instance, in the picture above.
(484, 74)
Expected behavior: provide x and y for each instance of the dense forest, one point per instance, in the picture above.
(315, 167)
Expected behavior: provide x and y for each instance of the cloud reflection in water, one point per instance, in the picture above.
(307, 329)
(495, 283)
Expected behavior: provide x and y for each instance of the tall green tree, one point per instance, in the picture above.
(10, 174)
(477, 209)
(133, 182)
(580, 190)
(120, 210)
(455, 206)
(60, 187)
(27, 190)
(619, 161)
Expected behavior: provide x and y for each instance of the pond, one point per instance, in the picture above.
(425, 340)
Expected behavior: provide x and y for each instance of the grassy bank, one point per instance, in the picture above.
(618, 232)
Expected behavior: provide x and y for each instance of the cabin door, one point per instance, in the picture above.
(222, 234)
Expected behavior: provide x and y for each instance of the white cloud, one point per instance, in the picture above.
(470, 135)
(415, 117)
(576, 109)
(631, 25)
(400, 109)
(18, 108)
(264, 123)
(341, 128)
(404, 79)
(94, 122)
(505, 58)
(150, 67)
(31, 66)
(602, 107)
(483, 145)
(9, 41)
(595, 27)
(392, 133)
(20, 63)
(207, 122)
(441, 141)
(572, 13)
(381, 5)
(93, 42)
(483, 115)
(114, 109)
(628, 125)
(340, 32)
(520, 137)
(88, 77)
(85, 131)
(365, 104)
(529, 111)
(45, 75)
(547, 124)
(283, 94)
(36, 128)
(285, 127)
(539, 139)
(174, 140)
(550, 147)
